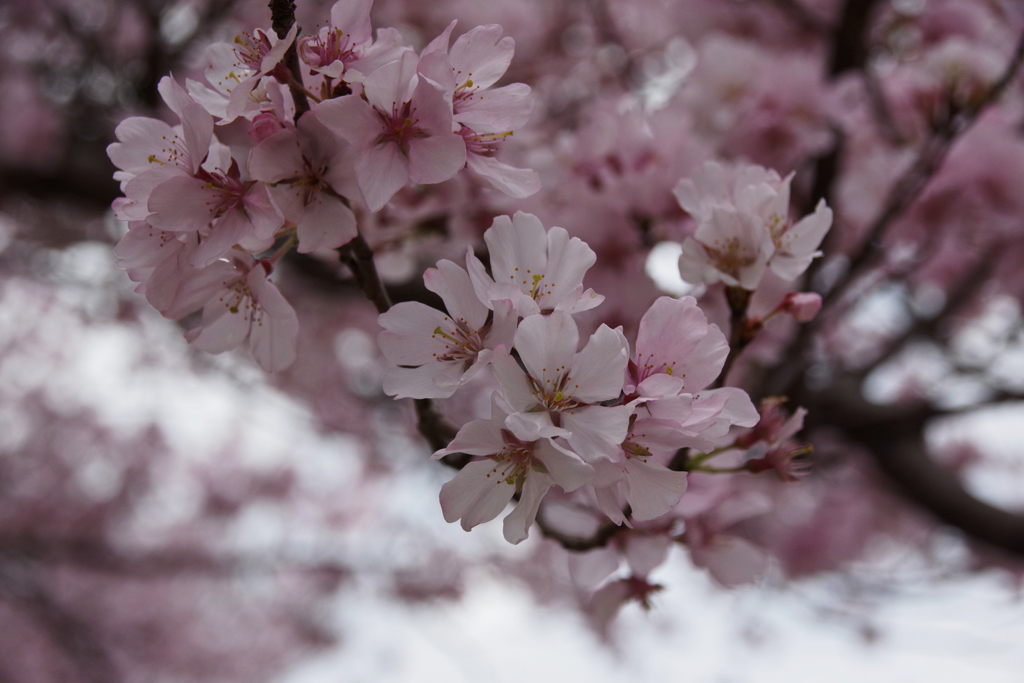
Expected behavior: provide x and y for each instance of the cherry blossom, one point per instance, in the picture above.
(345, 49)
(221, 206)
(641, 477)
(487, 117)
(308, 172)
(559, 393)
(401, 131)
(436, 353)
(538, 270)
(676, 350)
(510, 466)
(241, 303)
(150, 152)
(742, 215)
(239, 72)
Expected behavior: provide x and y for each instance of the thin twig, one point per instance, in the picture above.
(282, 15)
(807, 19)
(600, 539)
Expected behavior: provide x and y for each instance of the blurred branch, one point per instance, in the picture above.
(850, 37)
(802, 16)
(95, 190)
(18, 585)
(901, 196)
(969, 288)
(98, 556)
(893, 435)
(600, 539)
(913, 181)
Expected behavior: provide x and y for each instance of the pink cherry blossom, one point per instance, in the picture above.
(237, 71)
(703, 420)
(222, 207)
(401, 131)
(538, 270)
(641, 477)
(345, 50)
(743, 227)
(803, 306)
(308, 171)
(242, 304)
(676, 350)
(712, 509)
(559, 393)
(341, 43)
(487, 117)
(150, 152)
(436, 353)
(510, 465)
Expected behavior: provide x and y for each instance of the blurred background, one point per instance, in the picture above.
(167, 515)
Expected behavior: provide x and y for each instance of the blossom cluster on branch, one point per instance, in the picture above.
(208, 223)
(610, 405)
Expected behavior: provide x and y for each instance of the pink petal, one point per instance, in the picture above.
(352, 17)
(547, 346)
(652, 489)
(473, 496)
(597, 431)
(452, 284)
(515, 182)
(517, 524)
(432, 380)
(391, 84)
(382, 171)
(275, 327)
(276, 158)
(597, 372)
(565, 467)
(326, 224)
(496, 111)
(481, 54)
(182, 204)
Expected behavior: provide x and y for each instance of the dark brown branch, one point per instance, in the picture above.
(358, 257)
(893, 436)
(18, 585)
(912, 183)
(600, 539)
(739, 301)
(903, 193)
(929, 327)
(282, 18)
(802, 16)
(850, 37)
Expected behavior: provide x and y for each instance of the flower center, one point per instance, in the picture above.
(252, 49)
(399, 127)
(461, 343)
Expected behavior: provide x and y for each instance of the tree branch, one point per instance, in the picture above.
(282, 18)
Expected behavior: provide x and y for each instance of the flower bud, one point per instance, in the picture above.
(264, 125)
(803, 306)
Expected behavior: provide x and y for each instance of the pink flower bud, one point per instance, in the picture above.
(801, 305)
(263, 126)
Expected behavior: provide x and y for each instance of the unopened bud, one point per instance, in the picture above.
(803, 306)
(263, 126)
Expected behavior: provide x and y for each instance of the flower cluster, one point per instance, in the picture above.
(207, 223)
(743, 227)
(603, 420)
